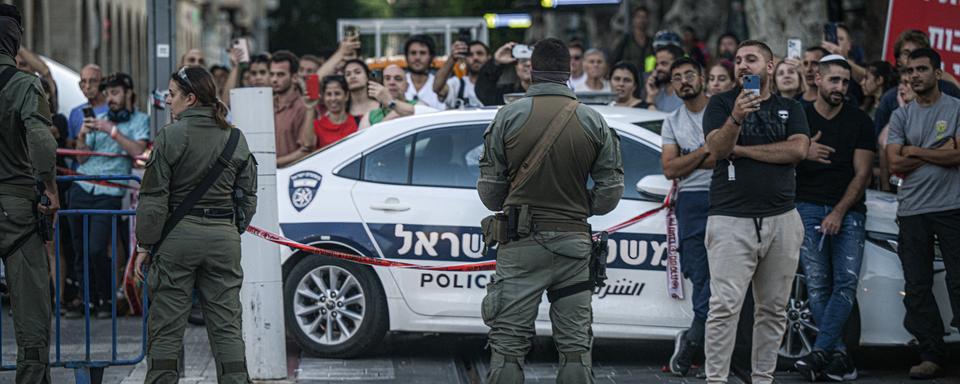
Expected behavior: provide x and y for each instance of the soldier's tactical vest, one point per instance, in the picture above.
(557, 191)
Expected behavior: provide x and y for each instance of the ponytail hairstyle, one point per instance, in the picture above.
(199, 81)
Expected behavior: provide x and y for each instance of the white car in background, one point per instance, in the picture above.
(404, 190)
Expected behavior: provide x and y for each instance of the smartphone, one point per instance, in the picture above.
(313, 87)
(376, 76)
(830, 32)
(244, 48)
(522, 51)
(351, 31)
(752, 83)
(88, 113)
(794, 49)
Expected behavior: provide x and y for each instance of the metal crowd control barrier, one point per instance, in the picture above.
(88, 370)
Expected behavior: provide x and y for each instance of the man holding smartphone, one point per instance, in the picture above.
(460, 91)
(122, 130)
(753, 230)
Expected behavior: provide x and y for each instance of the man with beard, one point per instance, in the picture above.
(122, 130)
(90, 77)
(660, 95)
(457, 92)
(686, 160)
(753, 230)
(830, 200)
(419, 52)
(923, 147)
(289, 110)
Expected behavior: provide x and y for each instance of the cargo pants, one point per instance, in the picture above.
(203, 253)
(29, 282)
(526, 268)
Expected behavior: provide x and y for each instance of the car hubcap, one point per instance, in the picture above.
(329, 305)
(801, 332)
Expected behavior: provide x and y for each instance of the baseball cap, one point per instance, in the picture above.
(118, 79)
(665, 37)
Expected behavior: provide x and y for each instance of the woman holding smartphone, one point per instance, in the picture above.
(357, 75)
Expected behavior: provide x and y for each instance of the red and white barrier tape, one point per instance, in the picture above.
(468, 267)
(674, 274)
(69, 172)
(77, 152)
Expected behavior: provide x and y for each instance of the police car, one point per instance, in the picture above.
(404, 191)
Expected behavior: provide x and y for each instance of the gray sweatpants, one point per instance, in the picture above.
(764, 251)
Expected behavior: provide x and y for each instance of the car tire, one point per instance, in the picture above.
(800, 326)
(341, 320)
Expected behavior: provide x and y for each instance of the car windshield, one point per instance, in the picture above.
(652, 126)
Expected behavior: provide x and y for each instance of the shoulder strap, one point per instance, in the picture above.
(535, 158)
(6, 75)
(212, 175)
(463, 85)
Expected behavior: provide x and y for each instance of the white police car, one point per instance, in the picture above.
(405, 190)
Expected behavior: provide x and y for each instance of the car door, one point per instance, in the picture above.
(417, 195)
(636, 291)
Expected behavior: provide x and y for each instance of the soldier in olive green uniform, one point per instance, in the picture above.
(556, 252)
(27, 150)
(203, 249)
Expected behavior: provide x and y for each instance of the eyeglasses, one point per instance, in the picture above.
(688, 77)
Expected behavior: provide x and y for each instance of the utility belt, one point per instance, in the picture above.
(516, 223)
(212, 213)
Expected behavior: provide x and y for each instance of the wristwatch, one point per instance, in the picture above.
(392, 104)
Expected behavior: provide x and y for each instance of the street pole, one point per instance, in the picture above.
(262, 291)
(161, 35)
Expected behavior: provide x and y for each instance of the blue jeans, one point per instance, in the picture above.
(831, 265)
(691, 214)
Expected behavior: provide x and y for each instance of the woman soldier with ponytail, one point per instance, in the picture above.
(187, 227)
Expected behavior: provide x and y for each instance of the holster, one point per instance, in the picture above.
(44, 224)
(512, 224)
(239, 217)
(598, 260)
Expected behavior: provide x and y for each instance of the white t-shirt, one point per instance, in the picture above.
(582, 86)
(685, 129)
(425, 95)
(576, 82)
(469, 93)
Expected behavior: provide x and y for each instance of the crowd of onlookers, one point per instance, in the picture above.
(826, 125)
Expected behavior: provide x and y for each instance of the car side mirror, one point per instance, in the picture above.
(654, 187)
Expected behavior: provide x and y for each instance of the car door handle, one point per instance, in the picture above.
(391, 204)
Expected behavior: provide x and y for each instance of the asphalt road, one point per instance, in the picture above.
(417, 358)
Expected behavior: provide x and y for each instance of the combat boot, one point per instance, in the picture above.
(505, 369)
(575, 368)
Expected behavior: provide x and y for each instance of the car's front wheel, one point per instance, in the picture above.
(802, 332)
(334, 308)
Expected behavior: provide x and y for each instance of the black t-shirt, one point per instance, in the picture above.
(760, 189)
(849, 130)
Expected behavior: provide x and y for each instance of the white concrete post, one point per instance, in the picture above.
(262, 292)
